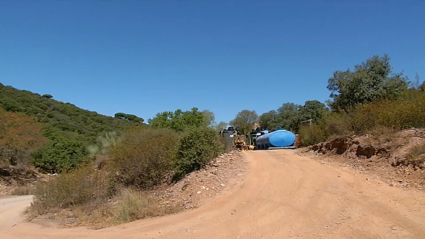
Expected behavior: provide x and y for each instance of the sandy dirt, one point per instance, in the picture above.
(282, 195)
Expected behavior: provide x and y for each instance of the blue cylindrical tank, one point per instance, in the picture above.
(278, 138)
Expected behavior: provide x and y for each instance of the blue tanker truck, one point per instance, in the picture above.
(279, 139)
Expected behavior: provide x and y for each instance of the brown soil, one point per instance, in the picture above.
(200, 186)
(385, 155)
(282, 195)
(12, 177)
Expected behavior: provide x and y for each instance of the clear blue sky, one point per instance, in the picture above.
(144, 57)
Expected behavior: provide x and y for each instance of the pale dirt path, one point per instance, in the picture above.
(284, 195)
(11, 209)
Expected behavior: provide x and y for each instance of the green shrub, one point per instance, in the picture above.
(143, 157)
(197, 148)
(59, 156)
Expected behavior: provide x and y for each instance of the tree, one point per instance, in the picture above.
(179, 120)
(289, 116)
(269, 120)
(244, 121)
(47, 96)
(197, 148)
(209, 118)
(129, 117)
(220, 126)
(60, 156)
(313, 110)
(369, 81)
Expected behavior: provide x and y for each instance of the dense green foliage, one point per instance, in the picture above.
(369, 81)
(289, 116)
(69, 128)
(314, 110)
(198, 147)
(180, 120)
(129, 117)
(60, 156)
(64, 119)
(244, 121)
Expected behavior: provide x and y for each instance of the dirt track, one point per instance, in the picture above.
(284, 195)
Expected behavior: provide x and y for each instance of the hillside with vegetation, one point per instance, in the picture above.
(52, 135)
(98, 157)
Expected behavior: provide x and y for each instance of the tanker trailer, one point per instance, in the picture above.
(279, 139)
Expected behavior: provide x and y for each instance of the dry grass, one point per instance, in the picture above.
(28, 189)
(79, 187)
(134, 205)
(129, 205)
(416, 156)
(380, 118)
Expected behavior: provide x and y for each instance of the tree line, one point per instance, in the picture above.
(370, 81)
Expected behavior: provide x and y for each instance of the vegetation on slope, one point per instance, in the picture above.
(20, 137)
(404, 112)
(66, 129)
(143, 158)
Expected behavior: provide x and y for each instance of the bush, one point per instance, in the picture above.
(312, 134)
(197, 148)
(60, 156)
(78, 187)
(403, 113)
(143, 157)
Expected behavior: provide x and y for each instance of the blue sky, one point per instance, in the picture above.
(144, 57)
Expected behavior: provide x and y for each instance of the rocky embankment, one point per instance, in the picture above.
(199, 186)
(397, 157)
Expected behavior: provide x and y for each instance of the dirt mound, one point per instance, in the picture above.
(397, 156)
(199, 186)
(350, 146)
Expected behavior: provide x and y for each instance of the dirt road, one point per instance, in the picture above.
(283, 195)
